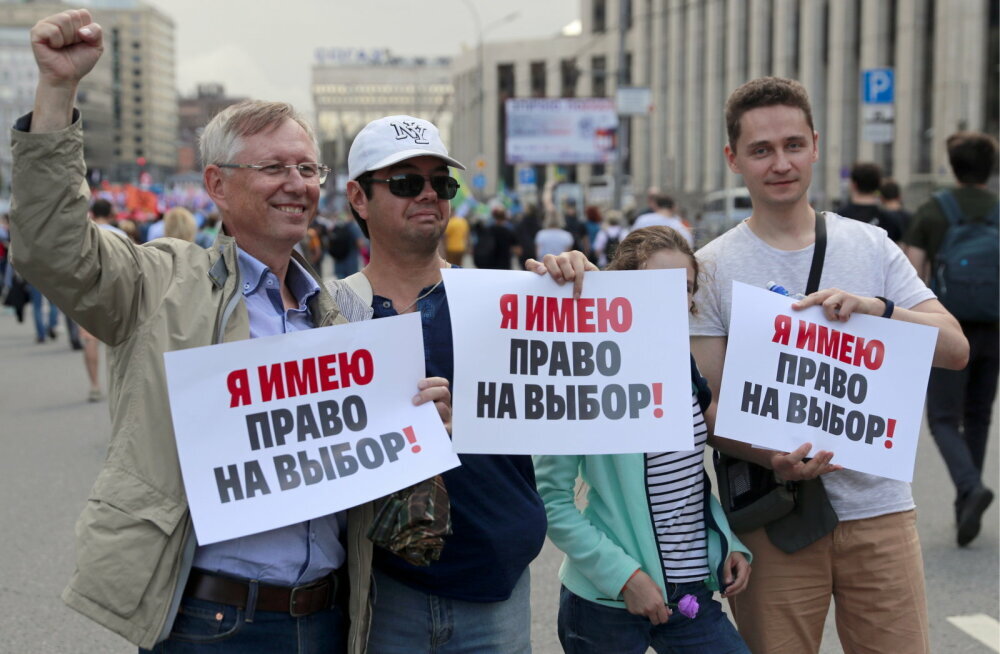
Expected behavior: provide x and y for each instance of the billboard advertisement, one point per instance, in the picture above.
(561, 130)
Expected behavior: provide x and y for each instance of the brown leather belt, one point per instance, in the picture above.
(297, 601)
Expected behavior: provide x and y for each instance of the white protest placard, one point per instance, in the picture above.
(537, 372)
(855, 388)
(277, 430)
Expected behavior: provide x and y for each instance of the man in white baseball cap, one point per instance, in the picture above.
(399, 191)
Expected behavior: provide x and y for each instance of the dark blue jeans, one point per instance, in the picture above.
(205, 627)
(590, 628)
(960, 405)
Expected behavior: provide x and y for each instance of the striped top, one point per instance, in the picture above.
(675, 486)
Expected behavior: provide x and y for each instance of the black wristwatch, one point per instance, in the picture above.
(890, 306)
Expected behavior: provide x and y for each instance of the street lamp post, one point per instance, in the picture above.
(481, 70)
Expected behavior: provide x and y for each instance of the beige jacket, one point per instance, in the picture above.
(134, 540)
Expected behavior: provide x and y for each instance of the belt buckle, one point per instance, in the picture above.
(292, 599)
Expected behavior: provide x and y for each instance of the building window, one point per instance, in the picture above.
(505, 90)
(538, 79)
(600, 16)
(599, 76)
(568, 74)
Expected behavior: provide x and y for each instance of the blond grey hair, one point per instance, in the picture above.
(222, 139)
(552, 220)
(179, 223)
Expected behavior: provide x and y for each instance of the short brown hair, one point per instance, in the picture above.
(764, 92)
(972, 156)
(636, 249)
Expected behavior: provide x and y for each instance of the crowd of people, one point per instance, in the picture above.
(647, 557)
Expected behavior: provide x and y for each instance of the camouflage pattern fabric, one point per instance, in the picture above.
(413, 522)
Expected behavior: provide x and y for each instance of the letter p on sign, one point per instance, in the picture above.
(877, 86)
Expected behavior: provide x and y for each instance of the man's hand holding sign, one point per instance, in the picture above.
(314, 422)
(798, 378)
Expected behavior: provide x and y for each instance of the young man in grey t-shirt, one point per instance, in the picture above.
(871, 563)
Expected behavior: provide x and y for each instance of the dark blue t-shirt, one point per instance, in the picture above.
(497, 517)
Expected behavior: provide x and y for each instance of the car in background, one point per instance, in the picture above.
(720, 212)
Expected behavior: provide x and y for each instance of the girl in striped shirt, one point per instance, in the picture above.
(651, 531)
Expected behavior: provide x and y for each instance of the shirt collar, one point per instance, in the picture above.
(254, 273)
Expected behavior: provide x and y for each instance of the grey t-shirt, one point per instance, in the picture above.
(860, 259)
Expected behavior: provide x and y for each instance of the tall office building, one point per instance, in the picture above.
(352, 87)
(692, 53)
(19, 77)
(140, 47)
(128, 102)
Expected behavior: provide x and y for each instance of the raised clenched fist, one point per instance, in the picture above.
(66, 47)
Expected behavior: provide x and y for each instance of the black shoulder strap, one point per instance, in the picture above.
(819, 254)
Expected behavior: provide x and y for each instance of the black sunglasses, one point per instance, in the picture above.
(410, 185)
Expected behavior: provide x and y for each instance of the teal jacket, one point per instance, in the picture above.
(613, 536)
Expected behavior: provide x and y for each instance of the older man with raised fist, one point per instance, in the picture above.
(140, 570)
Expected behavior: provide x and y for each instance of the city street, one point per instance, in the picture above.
(54, 442)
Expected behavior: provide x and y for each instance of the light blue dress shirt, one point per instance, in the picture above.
(302, 552)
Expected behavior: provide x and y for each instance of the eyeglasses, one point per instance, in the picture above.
(411, 185)
(311, 173)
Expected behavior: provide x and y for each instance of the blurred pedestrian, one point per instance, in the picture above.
(209, 230)
(456, 240)
(527, 227)
(866, 177)
(345, 244)
(892, 203)
(573, 223)
(592, 225)
(552, 239)
(612, 233)
(665, 215)
(961, 224)
(179, 223)
(504, 241)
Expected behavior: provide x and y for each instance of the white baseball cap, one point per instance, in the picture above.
(392, 139)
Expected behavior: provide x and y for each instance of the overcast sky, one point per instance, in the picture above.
(265, 48)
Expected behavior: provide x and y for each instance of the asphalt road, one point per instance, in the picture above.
(54, 441)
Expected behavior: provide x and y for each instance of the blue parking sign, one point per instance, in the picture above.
(479, 181)
(526, 176)
(877, 86)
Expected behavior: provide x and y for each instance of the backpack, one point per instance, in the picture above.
(339, 245)
(612, 245)
(967, 265)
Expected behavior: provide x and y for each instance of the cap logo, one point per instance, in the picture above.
(410, 130)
